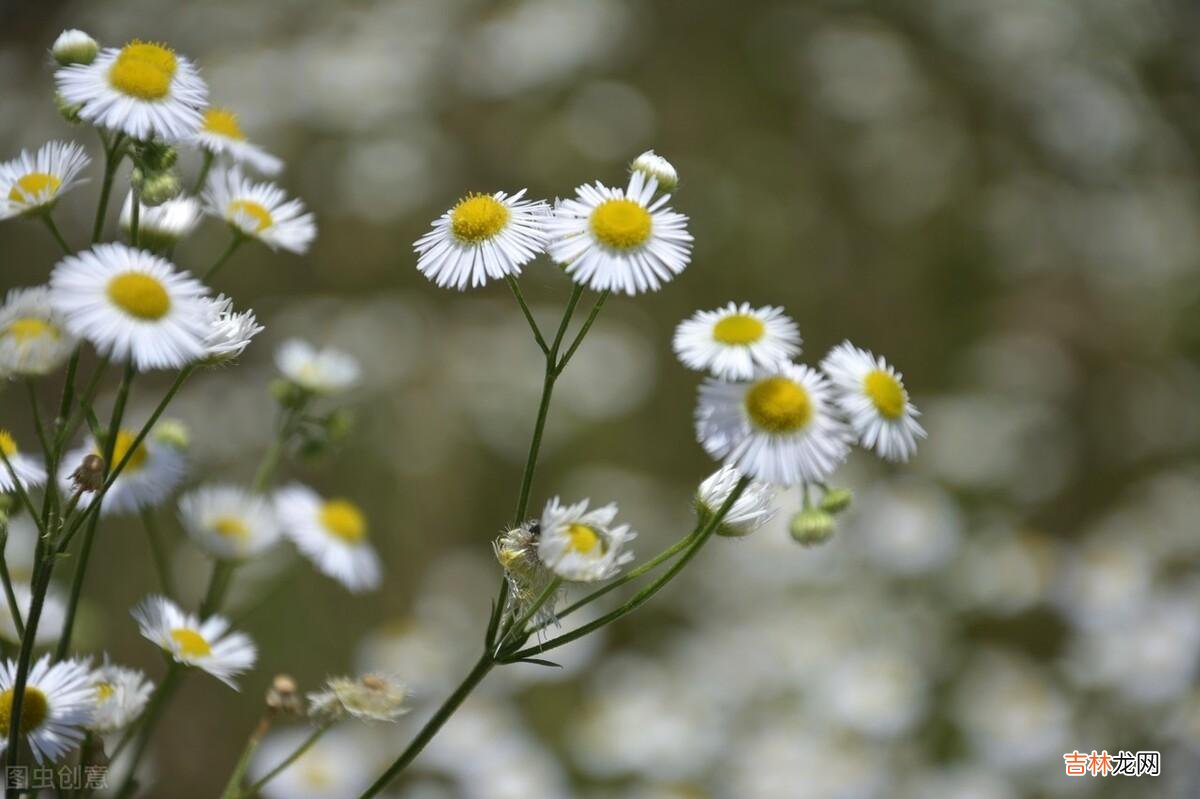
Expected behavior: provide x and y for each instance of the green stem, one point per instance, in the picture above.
(135, 216)
(22, 494)
(14, 609)
(252, 743)
(112, 159)
(307, 744)
(144, 730)
(482, 667)
(234, 243)
(158, 551)
(583, 331)
(56, 233)
(41, 584)
(204, 169)
(519, 625)
(218, 584)
(533, 325)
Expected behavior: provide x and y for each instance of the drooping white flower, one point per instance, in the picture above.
(207, 644)
(734, 341)
(229, 331)
(582, 545)
(872, 395)
(332, 533)
(57, 706)
(162, 226)
(33, 182)
(259, 210)
(221, 134)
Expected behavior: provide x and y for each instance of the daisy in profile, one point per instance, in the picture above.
(208, 645)
(259, 210)
(56, 709)
(229, 522)
(732, 342)
(229, 331)
(324, 371)
(131, 305)
(332, 533)
(120, 695)
(620, 240)
(33, 339)
(31, 183)
(161, 227)
(779, 427)
(749, 512)
(872, 395)
(54, 611)
(221, 135)
(371, 697)
(581, 545)
(143, 90)
(153, 471)
(17, 467)
(483, 237)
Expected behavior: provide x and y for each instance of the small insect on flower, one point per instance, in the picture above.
(74, 46)
(779, 427)
(871, 394)
(161, 227)
(143, 90)
(153, 470)
(229, 331)
(483, 237)
(120, 696)
(732, 342)
(528, 578)
(332, 533)
(33, 337)
(17, 467)
(33, 182)
(208, 645)
(221, 134)
(229, 522)
(323, 372)
(620, 240)
(260, 211)
(132, 305)
(581, 545)
(56, 708)
(749, 512)
(371, 697)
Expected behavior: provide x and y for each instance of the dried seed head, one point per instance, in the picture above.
(283, 696)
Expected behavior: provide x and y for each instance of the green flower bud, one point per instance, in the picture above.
(68, 111)
(836, 500)
(657, 167)
(159, 188)
(812, 527)
(339, 424)
(74, 47)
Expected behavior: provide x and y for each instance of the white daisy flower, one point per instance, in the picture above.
(332, 534)
(371, 697)
(221, 135)
(871, 394)
(610, 239)
(120, 697)
(657, 167)
(483, 237)
(33, 182)
(229, 331)
(228, 521)
(324, 371)
(143, 90)
(28, 470)
(259, 210)
(57, 706)
(73, 46)
(779, 427)
(208, 645)
(336, 766)
(154, 471)
(582, 545)
(162, 226)
(735, 341)
(132, 305)
(750, 511)
(54, 612)
(33, 339)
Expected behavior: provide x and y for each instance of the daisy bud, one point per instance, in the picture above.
(836, 500)
(156, 156)
(159, 188)
(657, 167)
(339, 424)
(812, 527)
(74, 47)
(283, 696)
(90, 474)
(68, 111)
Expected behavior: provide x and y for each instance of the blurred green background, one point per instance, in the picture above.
(998, 195)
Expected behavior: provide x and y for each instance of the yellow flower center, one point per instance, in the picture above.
(191, 643)
(231, 527)
(583, 538)
(143, 70)
(29, 328)
(885, 393)
(621, 224)
(315, 773)
(34, 710)
(8, 444)
(778, 405)
(125, 439)
(260, 215)
(29, 188)
(104, 691)
(140, 295)
(343, 519)
(223, 123)
(738, 329)
(478, 218)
